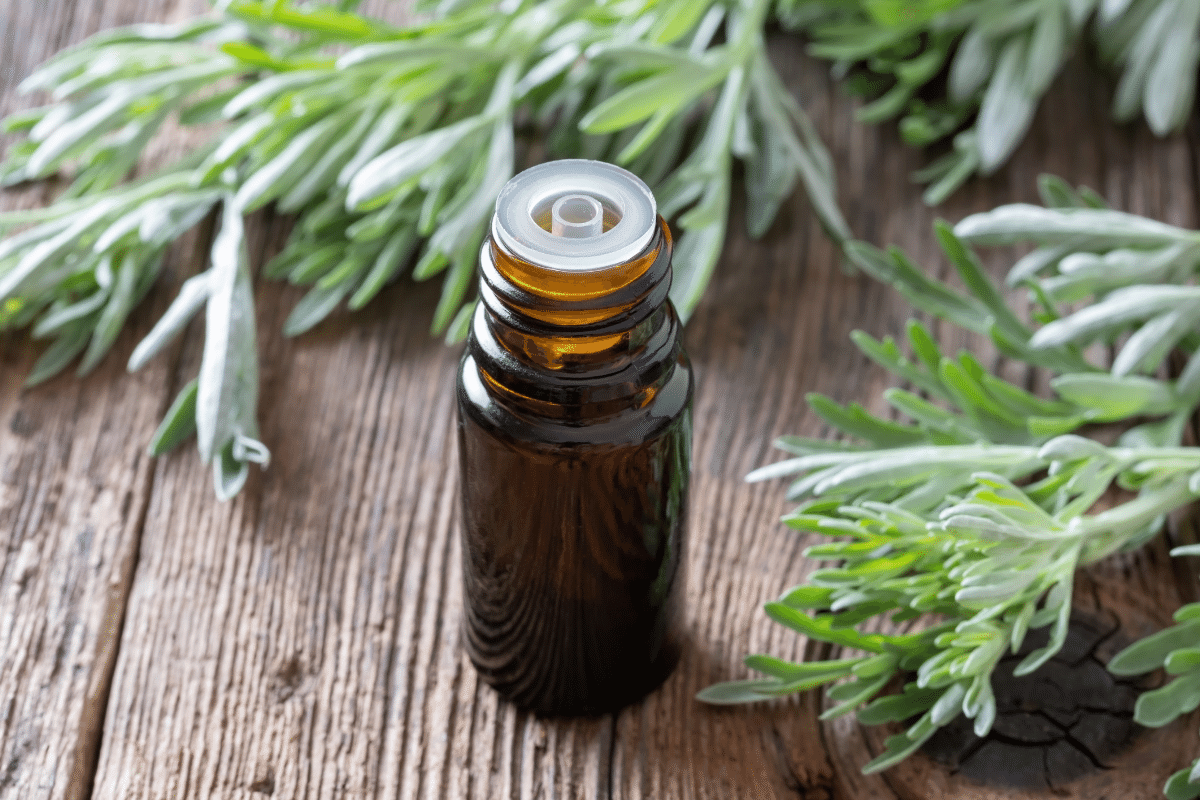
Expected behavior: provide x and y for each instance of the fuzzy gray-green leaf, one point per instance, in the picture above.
(227, 393)
(191, 298)
(178, 423)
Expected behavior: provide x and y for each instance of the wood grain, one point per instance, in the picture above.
(74, 482)
(302, 640)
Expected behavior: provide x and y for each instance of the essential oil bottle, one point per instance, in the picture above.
(574, 434)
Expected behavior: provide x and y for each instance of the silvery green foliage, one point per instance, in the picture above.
(1157, 45)
(1176, 650)
(999, 57)
(389, 145)
(977, 506)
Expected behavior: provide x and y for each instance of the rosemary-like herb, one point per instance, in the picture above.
(980, 510)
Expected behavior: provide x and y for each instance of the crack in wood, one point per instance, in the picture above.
(1049, 729)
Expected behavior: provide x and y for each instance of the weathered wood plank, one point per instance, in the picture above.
(74, 486)
(302, 641)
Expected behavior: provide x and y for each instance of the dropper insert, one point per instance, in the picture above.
(576, 216)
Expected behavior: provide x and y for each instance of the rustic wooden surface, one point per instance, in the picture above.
(302, 640)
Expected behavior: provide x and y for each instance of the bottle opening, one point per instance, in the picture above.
(583, 217)
(575, 215)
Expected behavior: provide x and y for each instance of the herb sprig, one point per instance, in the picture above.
(389, 144)
(974, 71)
(1176, 650)
(980, 509)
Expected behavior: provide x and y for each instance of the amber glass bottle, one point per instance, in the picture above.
(574, 431)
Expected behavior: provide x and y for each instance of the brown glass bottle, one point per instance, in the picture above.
(574, 431)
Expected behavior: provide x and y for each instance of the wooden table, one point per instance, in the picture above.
(302, 640)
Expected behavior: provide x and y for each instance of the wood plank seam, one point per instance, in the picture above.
(87, 753)
(79, 742)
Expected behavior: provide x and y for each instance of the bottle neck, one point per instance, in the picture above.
(575, 344)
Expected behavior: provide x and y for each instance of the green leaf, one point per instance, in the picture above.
(972, 65)
(850, 695)
(856, 421)
(1007, 108)
(192, 296)
(115, 109)
(1057, 193)
(1161, 706)
(260, 93)
(313, 266)
(1047, 48)
(320, 177)
(733, 692)
(1118, 309)
(460, 326)
(120, 303)
(1180, 787)
(908, 13)
(1111, 398)
(320, 19)
(948, 706)
(696, 256)
(253, 56)
(899, 707)
(1184, 660)
(69, 344)
(393, 167)
(1171, 84)
(972, 397)
(853, 41)
(227, 389)
(922, 68)
(676, 20)
(51, 251)
(672, 89)
(1098, 228)
(807, 597)
(1021, 401)
(235, 145)
(892, 103)
(207, 110)
(178, 423)
(770, 173)
(229, 473)
(821, 629)
(283, 171)
(899, 747)
(20, 121)
(391, 260)
(923, 345)
(454, 289)
(58, 318)
(789, 672)
(314, 307)
(1058, 635)
(1151, 652)
(1150, 344)
(971, 271)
